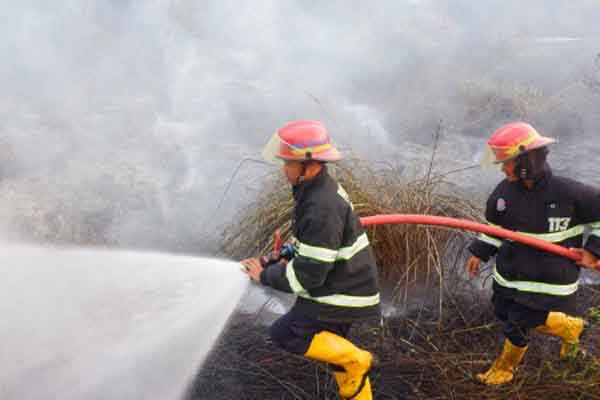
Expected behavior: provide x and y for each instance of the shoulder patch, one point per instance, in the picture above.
(501, 205)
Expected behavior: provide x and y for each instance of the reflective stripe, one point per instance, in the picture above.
(595, 229)
(317, 253)
(536, 287)
(303, 149)
(347, 253)
(557, 237)
(290, 274)
(328, 255)
(343, 300)
(344, 195)
(554, 237)
(489, 240)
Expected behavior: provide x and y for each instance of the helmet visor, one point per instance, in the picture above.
(488, 159)
(271, 150)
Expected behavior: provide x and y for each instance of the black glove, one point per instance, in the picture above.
(286, 252)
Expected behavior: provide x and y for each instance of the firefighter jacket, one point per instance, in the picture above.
(333, 271)
(558, 210)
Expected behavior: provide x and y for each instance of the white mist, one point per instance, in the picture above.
(88, 324)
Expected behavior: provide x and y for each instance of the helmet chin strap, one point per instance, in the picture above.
(301, 177)
(530, 165)
(523, 169)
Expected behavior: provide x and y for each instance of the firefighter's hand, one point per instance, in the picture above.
(252, 267)
(473, 265)
(588, 259)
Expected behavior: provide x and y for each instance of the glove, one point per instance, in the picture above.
(281, 252)
(282, 256)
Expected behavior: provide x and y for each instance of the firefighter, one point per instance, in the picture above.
(331, 269)
(533, 289)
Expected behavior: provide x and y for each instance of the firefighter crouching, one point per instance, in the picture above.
(533, 289)
(332, 269)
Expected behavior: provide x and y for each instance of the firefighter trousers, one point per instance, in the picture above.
(295, 331)
(517, 320)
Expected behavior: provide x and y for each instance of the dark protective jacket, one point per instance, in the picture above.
(333, 272)
(557, 210)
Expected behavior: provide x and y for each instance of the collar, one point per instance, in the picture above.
(301, 189)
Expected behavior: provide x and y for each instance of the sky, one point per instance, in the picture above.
(121, 122)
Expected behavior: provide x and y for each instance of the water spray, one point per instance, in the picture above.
(82, 323)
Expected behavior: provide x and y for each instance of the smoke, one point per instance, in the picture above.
(122, 121)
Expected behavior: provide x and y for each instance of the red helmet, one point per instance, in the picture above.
(302, 141)
(514, 139)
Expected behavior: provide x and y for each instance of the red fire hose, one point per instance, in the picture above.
(415, 219)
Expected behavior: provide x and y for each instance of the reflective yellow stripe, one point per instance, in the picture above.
(290, 274)
(595, 229)
(536, 287)
(489, 240)
(555, 237)
(343, 300)
(312, 149)
(344, 195)
(516, 148)
(328, 255)
(347, 253)
(317, 253)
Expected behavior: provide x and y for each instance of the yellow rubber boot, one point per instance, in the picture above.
(502, 370)
(336, 350)
(565, 327)
(365, 392)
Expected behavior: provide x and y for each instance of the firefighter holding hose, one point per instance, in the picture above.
(534, 289)
(331, 268)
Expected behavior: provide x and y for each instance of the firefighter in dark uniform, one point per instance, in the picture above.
(332, 269)
(533, 289)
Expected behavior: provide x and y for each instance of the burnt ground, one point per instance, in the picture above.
(420, 358)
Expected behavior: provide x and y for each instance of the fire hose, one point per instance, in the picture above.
(415, 219)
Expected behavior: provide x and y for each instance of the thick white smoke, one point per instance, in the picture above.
(121, 121)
